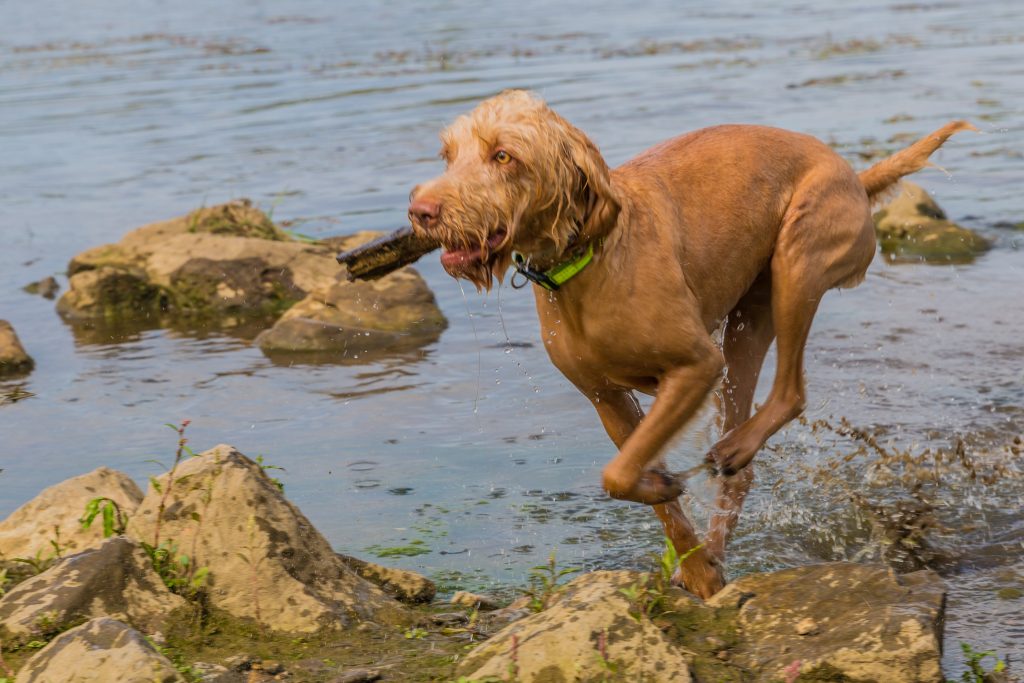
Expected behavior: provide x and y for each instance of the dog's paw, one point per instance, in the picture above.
(727, 461)
(702, 574)
(654, 487)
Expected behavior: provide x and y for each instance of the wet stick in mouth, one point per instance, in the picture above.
(386, 254)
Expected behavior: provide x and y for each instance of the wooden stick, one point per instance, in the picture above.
(386, 254)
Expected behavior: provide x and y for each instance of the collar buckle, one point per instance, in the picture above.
(522, 266)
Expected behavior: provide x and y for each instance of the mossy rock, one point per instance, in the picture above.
(914, 228)
(930, 241)
(203, 287)
(112, 294)
(238, 218)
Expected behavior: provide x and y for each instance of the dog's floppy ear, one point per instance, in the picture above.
(599, 203)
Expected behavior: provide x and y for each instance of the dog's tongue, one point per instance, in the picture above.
(457, 257)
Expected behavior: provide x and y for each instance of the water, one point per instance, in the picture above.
(328, 114)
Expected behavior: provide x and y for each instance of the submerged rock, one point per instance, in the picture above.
(230, 264)
(852, 622)
(265, 560)
(114, 580)
(47, 287)
(13, 359)
(52, 516)
(401, 584)
(587, 634)
(99, 650)
(912, 227)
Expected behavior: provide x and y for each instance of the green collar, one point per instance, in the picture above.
(554, 278)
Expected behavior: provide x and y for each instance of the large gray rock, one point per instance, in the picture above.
(265, 560)
(856, 623)
(99, 650)
(27, 531)
(229, 265)
(114, 580)
(912, 227)
(587, 635)
(13, 359)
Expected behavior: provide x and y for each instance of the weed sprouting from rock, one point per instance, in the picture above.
(544, 584)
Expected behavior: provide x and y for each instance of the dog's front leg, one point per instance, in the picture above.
(681, 390)
(701, 570)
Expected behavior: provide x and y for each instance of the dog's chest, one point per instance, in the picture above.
(621, 349)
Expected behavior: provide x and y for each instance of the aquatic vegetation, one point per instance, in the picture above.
(974, 661)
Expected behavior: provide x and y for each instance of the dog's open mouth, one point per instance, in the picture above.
(462, 258)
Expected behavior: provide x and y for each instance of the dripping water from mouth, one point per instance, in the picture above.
(479, 357)
(509, 346)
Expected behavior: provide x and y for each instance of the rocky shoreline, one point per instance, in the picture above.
(214, 576)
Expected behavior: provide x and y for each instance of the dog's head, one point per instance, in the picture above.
(519, 178)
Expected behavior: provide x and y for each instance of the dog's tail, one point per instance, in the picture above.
(883, 175)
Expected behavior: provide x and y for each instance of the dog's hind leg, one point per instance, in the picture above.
(826, 240)
(748, 334)
(700, 572)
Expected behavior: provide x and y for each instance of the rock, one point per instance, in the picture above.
(265, 560)
(214, 673)
(449, 619)
(13, 359)
(223, 262)
(114, 580)
(401, 584)
(241, 662)
(269, 666)
(357, 676)
(99, 650)
(27, 532)
(500, 618)
(912, 227)
(47, 287)
(806, 627)
(872, 624)
(588, 631)
(395, 313)
(473, 600)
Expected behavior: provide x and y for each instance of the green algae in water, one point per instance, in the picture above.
(411, 549)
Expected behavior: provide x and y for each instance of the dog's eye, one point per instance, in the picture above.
(502, 157)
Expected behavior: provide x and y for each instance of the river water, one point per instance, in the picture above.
(476, 451)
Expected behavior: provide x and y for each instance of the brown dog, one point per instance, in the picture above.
(743, 224)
